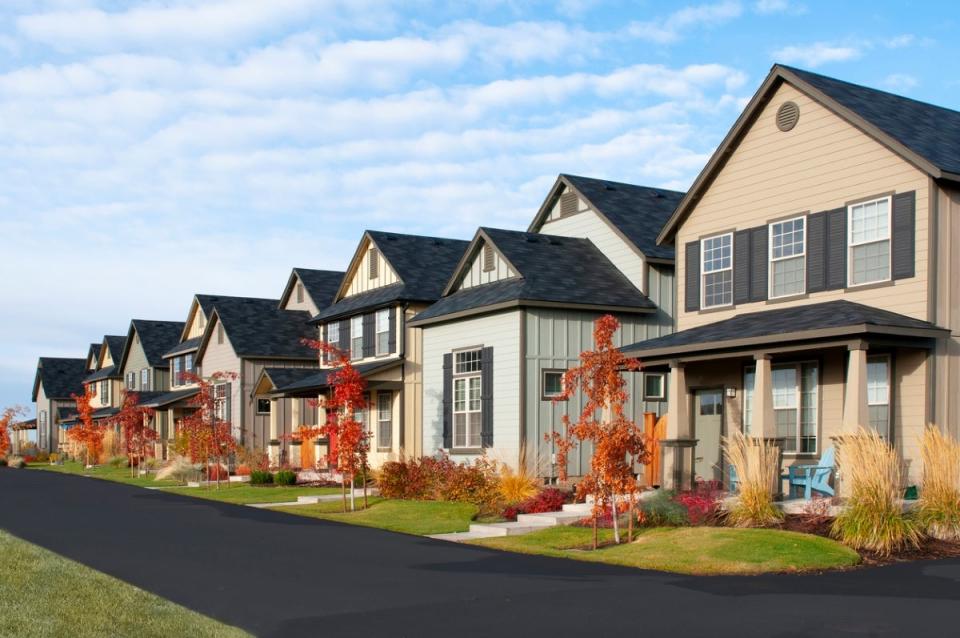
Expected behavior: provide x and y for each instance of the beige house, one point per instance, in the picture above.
(106, 379)
(55, 381)
(818, 277)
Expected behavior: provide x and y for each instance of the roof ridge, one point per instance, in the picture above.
(612, 181)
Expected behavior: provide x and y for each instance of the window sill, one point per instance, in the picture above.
(870, 286)
(706, 311)
(384, 450)
(775, 300)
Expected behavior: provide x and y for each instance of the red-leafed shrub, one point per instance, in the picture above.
(243, 470)
(217, 473)
(441, 479)
(549, 499)
(702, 502)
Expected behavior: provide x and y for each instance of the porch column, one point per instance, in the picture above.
(855, 410)
(295, 423)
(274, 444)
(677, 450)
(763, 422)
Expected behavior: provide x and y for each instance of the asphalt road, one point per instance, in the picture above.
(281, 575)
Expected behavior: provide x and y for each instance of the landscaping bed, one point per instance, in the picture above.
(244, 494)
(105, 472)
(409, 517)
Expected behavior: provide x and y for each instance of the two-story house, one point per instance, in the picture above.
(106, 379)
(818, 270)
(391, 278)
(54, 383)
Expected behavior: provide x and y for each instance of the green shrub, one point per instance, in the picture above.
(118, 461)
(42, 457)
(3, 462)
(152, 464)
(259, 477)
(661, 510)
(283, 477)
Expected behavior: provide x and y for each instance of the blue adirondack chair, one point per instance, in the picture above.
(814, 478)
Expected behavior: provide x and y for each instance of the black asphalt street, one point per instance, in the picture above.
(282, 575)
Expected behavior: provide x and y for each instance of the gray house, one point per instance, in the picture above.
(55, 381)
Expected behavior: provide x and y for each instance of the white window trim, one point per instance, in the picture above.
(663, 387)
(851, 244)
(704, 273)
(544, 395)
(772, 260)
(356, 320)
(377, 332)
(466, 377)
(798, 365)
(145, 379)
(889, 404)
(380, 420)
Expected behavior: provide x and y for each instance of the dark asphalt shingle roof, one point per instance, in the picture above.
(639, 212)
(115, 344)
(157, 337)
(933, 132)
(60, 377)
(554, 269)
(769, 323)
(258, 328)
(110, 372)
(94, 352)
(321, 285)
(167, 398)
(294, 381)
(378, 297)
(184, 346)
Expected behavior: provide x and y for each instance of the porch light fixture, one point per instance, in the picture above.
(731, 392)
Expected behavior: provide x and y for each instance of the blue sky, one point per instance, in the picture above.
(152, 150)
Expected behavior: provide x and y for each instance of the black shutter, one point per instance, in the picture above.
(448, 400)
(392, 338)
(904, 231)
(691, 295)
(486, 397)
(368, 337)
(741, 266)
(816, 252)
(345, 336)
(836, 261)
(227, 408)
(759, 263)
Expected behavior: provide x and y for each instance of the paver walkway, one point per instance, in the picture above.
(282, 575)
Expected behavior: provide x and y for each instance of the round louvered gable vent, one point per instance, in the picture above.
(787, 116)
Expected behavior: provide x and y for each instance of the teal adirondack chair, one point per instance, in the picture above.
(814, 478)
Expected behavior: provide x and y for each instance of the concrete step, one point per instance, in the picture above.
(551, 518)
(506, 529)
(326, 498)
(460, 537)
(579, 508)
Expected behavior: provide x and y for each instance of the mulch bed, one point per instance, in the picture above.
(930, 548)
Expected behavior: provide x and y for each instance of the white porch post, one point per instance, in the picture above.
(295, 423)
(855, 411)
(677, 450)
(274, 444)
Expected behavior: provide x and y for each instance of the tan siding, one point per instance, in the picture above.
(910, 406)
(412, 400)
(136, 361)
(361, 280)
(220, 357)
(307, 303)
(821, 164)
(947, 310)
(477, 276)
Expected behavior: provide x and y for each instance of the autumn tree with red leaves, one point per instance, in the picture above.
(132, 420)
(203, 436)
(617, 442)
(6, 421)
(86, 432)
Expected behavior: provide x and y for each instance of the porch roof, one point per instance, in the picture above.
(29, 424)
(169, 398)
(812, 322)
(295, 382)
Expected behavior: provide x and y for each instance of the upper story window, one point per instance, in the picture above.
(333, 332)
(131, 381)
(104, 392)
(188, 363)
(177, 364)
(383, 331)
(145, 379)
(788, 261)
(717, 259)
(356, 337)
(869, 242)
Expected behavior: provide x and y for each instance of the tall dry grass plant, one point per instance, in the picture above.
(872, 481)
(517, 486)
(757, 465)
(938, 510)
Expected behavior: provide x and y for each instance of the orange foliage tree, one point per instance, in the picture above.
(617, 441)
(86, 432)
(203, 436)
(6, 420)
(132, 420)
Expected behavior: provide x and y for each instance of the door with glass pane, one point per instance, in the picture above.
(708, 428)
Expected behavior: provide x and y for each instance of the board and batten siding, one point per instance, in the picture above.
(554, 341)
(477, 276)
(821, 164)
(587, 224)
(257, 426)
(44, 404)
(411, 347)
(307, 304)
(220, 357)
(500, 331)
(945, 309)
(361, 280)
(137, 361)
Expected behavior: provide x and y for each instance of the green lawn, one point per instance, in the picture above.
(43, 594)
(107, 472)
(245, 494)
(410, 517)
(690, 550)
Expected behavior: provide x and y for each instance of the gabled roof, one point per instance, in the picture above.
(423, 265)
(204, 303)
(156, 338)
(259, 328)
(810, 321)
(636, 213)
(60, 377)
(114, 344)
(305, 382)
(190, 345)
(168, 398)
(552, 271)
(925, 135)
(110, 372)
(320, 285)
(93, 353)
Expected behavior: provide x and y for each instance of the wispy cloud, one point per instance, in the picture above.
(816, 54)
(900, 82)
(672, 28)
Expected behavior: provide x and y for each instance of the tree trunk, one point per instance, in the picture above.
(353, 497)
(343, 485)
(363, 477)
(630, 521)
(615, 514)
(594, 530)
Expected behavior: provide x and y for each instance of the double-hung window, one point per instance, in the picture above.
(177, 371)
(878, 394)
(869, 242)
(795, 405)
(333, 338)
(383, 331)
(788, 261)
(131, 381)
(384, 420)
(356, 337)
(220, 402)
(467, 410)
(105, 393)
(188, 363)
(717, 258)
(145, 379)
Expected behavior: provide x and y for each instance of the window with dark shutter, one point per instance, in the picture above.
(373, 263)
(836, 262)
(569, 204)
(758, 263)
(691, 291)
(488, 261)
(392, 338)
(344, 344)
(448, 400)
(741, 266)
(486, 397)
(816, 252)
(368, 335)
(904, 235)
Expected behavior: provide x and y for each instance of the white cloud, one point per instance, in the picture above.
(900, 82)
(816, 54)
(672, 28)
(900, 41)
(779, 6)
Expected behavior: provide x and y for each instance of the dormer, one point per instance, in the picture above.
(310, 290)
(485, 264)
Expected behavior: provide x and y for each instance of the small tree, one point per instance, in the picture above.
(87, 432)
(204, 437)
(618, 442)
(132, 422)
(6, 420)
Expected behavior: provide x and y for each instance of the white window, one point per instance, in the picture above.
(356, 337)
(384, 420)
(177, 371)
(383, 331)
(104, 392)
(145, 379)
(188, 362)
(749, 379)
(788, 261)
(878, 394)
(220, 402)
(717, 259)
(869, 236)
(467, 410)
(654, 386)
(552, 384)
(333, 333)
(795, 405)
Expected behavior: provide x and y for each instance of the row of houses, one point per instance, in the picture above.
(807, 283)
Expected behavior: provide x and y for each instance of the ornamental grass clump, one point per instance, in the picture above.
(873, 518)
(757, 466)
(938, 509)
(517, 486)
